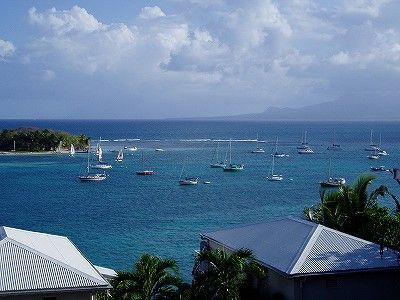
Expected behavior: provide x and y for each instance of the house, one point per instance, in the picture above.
(40, 266)
(305, 260)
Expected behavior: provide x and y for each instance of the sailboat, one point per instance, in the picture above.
(101, 164)
(215, 161)
(185, 180)
(334, 146)
(332, 182)
(372, 146)
(274, 177)
(374, 155)
(258, 148)
(72, 150)
(91, 177)
(304, 148)
(276, 153)
(143, 171)
(232, 167)
(120, 156)
(380, 151)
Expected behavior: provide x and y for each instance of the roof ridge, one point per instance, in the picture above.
(60, 263)
(305, 247)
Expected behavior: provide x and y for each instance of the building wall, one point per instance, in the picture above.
(53, 296)
(279, 287)
(368, 285)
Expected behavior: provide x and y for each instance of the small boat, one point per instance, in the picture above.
(372, 146)
(185, 180)
(232, 167)
(276, 153)
(188, 181)
(215, 161)
(274, 177)
(143, 171)
(380, 151)
(130, 148)
(380, 168)
(334, 146)
(258, 148)
(72, 150)
(306, 150)
(374, 155)
(91, 177)
(120, 156)
(159, 150)
(332, 182)
(206, 182)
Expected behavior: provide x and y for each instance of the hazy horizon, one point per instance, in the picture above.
(176, 59)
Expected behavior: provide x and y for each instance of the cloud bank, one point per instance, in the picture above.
(223, 57)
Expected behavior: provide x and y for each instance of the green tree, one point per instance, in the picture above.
(221, 275)
(353, 210)
(152, 278)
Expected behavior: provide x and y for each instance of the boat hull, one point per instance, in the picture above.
(188, 181)
(94, 177)
(145, 172)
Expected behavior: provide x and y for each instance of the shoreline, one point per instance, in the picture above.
(40, 153)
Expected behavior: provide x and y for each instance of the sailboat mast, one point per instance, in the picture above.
(88, 157)
(230, 151)
(276, 145)
(272, 167)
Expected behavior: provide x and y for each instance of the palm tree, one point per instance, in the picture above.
(152, 278)
(221, 275)
(347, 209)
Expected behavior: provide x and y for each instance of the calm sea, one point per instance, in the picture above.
(115, 221)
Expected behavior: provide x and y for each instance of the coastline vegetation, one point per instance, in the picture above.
(38, 140)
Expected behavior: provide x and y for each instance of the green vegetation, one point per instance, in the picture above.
(152, 278)
(36, 140)
(225, 276)
(353, 210)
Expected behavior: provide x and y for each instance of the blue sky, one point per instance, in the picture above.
(176, 58)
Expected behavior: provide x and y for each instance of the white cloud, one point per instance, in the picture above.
(341, 58)
(370, 8)
(151, 13)
(76, 19)
(6, 49)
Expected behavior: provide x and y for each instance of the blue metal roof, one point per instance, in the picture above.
(298, 247)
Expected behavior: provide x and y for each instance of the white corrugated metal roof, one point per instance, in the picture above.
(298, 247)
(35, 261)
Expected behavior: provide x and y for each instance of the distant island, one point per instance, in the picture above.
(40, 140)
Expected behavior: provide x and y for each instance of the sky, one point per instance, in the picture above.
(135, 59)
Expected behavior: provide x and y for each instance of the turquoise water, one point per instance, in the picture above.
(114, 221)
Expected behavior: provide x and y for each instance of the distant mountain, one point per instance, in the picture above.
(361, 110)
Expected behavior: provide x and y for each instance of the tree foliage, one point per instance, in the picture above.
(222, 275)
(35, 140)
(152, 278)
(353, 210)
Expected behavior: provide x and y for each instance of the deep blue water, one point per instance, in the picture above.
(114, 221)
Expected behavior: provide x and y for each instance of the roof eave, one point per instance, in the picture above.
(56, 290)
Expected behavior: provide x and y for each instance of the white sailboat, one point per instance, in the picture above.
(304, 148)
(381, 152)
(274, 177)
(120, 156)
(91, 177)
(185, 180)
(72, 150)
(232, 167)
(101, 164)
(372, 146)
(258, 148)
(276, 153)
(215, 161)
(332, 182)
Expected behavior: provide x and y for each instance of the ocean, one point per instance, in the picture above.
(113, 222)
